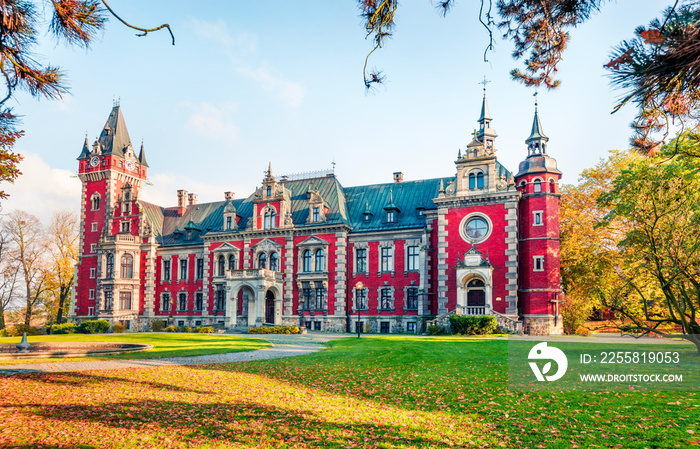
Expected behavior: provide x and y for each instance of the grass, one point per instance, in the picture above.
(164, 345)
(371, 392)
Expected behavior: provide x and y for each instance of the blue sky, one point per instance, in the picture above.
(281, 81)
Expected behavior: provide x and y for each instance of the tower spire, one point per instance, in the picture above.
(486, 134)
(142, 156)
(537, 142)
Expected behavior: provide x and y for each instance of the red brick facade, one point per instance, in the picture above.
(484, 241)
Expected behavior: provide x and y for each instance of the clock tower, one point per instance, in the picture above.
(112, 177)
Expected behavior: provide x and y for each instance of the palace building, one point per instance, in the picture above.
(309, 251)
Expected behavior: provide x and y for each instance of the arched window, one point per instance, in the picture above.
(273, 261)
(222, 265)
(307, 261)
(272, 219)
(127, 266)
(537, 188)
(96, 202)
(319, 260)
(480, 180)
(266, 220)
(110, 266)
(551, 186)
(262, 261)
(232, 262)
(472, 181)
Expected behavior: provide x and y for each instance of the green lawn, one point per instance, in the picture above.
(164, 345)
(371, 392)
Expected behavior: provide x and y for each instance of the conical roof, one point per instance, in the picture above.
(142, 157)
(536, 133)
(485, 114)
(114, 137)
(85, 153)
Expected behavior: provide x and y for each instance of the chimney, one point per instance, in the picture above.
(181, 201)
(398, 176)
(192, 199)
(228, 196)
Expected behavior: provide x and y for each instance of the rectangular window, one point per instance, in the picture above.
(92, 273)
(93, 247)
(125, 300)
(538, 263)
(183, 269)
(181, 323)
(411, 327)
(91, 310)
(198, 323)
(358, 327)
(308, 325)
(537, 218)
(385, 299)
(165, 302)
(387, 259)
(317, 325)
(361, 297)
(166, 270)
(390, 217)
(220, 298)
(413, 256)
(199, 301)
(384, 327)
(125, 226)
(320, 295)
(92, 293)
(182, 302)
(316, 214)
(361, 259)
(94, 227)
(307, 295)
(229, 223)
(200, 268)
(412, 298)
(108, 300)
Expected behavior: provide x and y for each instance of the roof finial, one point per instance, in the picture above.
(333, 165)
(269, 168)
(484, 83)
(535, 95)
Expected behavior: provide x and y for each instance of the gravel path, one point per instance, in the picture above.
(282, 346)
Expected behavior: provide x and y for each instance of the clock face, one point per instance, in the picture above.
(129, 165)
(95, 161)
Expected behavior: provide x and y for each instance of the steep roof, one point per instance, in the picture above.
(536, 133)
(114, 137)
(85, 153)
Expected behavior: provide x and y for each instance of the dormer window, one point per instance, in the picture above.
(269, 190)
(390, 217)
(367, 217)
(188, 235)
(229, 223)
(315, 214)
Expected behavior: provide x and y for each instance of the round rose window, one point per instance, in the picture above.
(477, 228)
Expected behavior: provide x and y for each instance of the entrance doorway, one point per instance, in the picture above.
(270, 307)
(476, 296)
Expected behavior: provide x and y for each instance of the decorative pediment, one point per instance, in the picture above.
(313, 241)
(266, 245)
(225, 248)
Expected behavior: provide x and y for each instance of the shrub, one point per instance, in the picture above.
(435, 329)
(3, 333)
(203, 329)
(157, 325)
(473, 325)
(583, 331)
(274, 330)
(117, 328)
(575, 310)
(65, 328)
(93, 327)
(170, 329)
(17, 331)
(182, 329)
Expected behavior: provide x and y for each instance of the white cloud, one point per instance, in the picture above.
(41, 190)
(218, 31)
(271, 80)
(213, 122)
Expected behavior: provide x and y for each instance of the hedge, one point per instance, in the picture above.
(93, 327)
(18, 330)
(65, 328)
(473, 325)
(274, 330)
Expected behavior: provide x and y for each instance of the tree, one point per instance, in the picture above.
(9, 272)
(658, 71)
(589, 252)
(73, 22)
(63, 248)
(659, 198)
(28, 237)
